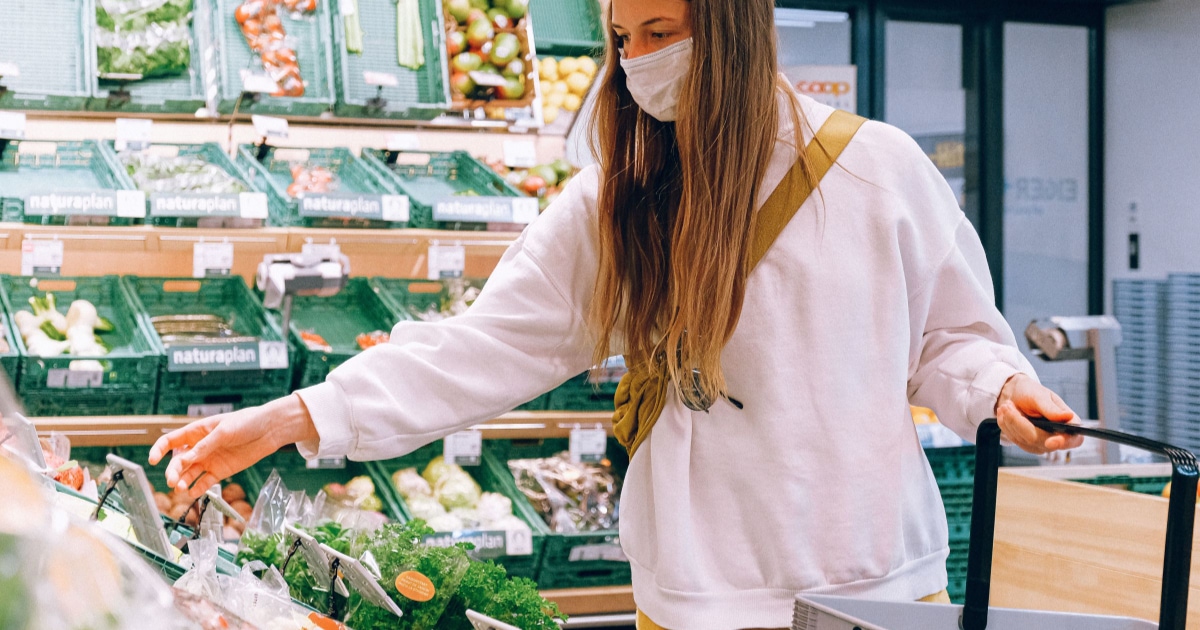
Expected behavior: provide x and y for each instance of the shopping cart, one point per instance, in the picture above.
(824, 612)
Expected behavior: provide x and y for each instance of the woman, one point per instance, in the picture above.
(783, 457)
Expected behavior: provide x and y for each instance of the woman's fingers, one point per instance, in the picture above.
(180, 438)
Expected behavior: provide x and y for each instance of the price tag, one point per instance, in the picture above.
(207, 411)
(525, 210)
(520, 154)
(9, 70)
(272, 355)
(270, 127)
(380, 79)
(133, 134)
(483, 622)
(403, 142)
(314, 555)
(131, 204)
(258, 83)
(252, 205)
(588, 445)
(518, 542)
(41, 258)
(25, 439)
(446, 261)
(590, 553)
(464, 448)
(60, 378)
(212, 259)
(331, 463)
(396, 208)
(347, 8)
(138, 499)
(486, 79)
(363, 580)
(12, 125)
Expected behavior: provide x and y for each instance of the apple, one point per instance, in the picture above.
(533, 184)
(480, 32)
(507, 48)
(462, 83)
(456, 42)
(458, 9)
(515, 68)
(499, 18)
(466, 62)
(482, 5)
(475, 15)
(517, 8)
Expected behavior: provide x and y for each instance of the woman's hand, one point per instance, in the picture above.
(1023, 398)
(216, 448)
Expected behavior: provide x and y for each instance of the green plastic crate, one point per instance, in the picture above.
(309, 37)
(273, 174)
(47, 403)
(570, 28)
(296, 475)
(957, 499)
(956, 571)
(952, 465)
(558, 569)
(50, 44)
(180, 94)
(74, 167)
(339, 319)
(582, 394)
(405, 297)
(212, 153)
(228, 298)
(10, 361)
(487, 478)
(205, 404)
(1142, 485)
(430, 178)
(131, 368)
(421, 94)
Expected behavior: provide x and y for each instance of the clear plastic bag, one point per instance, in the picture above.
(150, 38)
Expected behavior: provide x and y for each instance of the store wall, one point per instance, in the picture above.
(1152, 128)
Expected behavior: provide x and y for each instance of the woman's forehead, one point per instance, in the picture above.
(631, 14)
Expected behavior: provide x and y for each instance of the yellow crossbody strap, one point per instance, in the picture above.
(642, 393)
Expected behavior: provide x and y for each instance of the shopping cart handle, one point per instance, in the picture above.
(1181, 515)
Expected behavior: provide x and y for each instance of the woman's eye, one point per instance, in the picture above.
(660, 35)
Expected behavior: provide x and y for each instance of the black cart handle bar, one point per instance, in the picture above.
(1181, 515)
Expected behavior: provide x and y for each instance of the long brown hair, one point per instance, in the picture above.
(677, 200)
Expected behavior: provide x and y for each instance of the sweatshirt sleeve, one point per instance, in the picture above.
(522, 337)
(963, 349)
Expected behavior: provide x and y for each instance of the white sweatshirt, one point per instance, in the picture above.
(874, 299)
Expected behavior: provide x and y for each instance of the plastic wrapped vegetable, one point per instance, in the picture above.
(397, 550)
(434, 470)
(150, 38)
(570, 497)
(493, 507)
(181, 174)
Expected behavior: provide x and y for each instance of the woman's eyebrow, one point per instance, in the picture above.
(650, 22)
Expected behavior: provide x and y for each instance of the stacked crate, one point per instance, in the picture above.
(1181, 365)
(1139, 306)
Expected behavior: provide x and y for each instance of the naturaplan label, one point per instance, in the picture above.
(226, 357)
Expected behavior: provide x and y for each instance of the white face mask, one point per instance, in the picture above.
(655, 80)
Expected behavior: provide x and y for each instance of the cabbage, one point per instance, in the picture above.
(436, 469)
(445, 523)
(409, 483)
(493, 507)
(457, 491)
(424, 507)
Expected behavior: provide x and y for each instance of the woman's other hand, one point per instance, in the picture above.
(1022, 398)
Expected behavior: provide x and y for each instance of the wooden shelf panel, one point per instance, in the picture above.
(144, 430)
(601, 600)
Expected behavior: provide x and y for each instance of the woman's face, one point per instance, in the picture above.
(646, 26)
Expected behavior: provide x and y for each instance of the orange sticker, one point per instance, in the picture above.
(324, 623)
(415, 586)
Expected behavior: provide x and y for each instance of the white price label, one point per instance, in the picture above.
(347, 7)
(331, 463)
(518, 542)
(131, 204)
(258, 83)
(591, 553)
(380, 79)
(206, 411)
(41, 258)
(464, 448)
(272, 355)
(396, 208)
(252, 205)
(524, 210)
(446, 261)
(12, 126)
(133, 134)
(520, 154)
(270, 127)
(403, 142)
(61, 378)
(212, 259)
(9, 70)
(588, 445)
